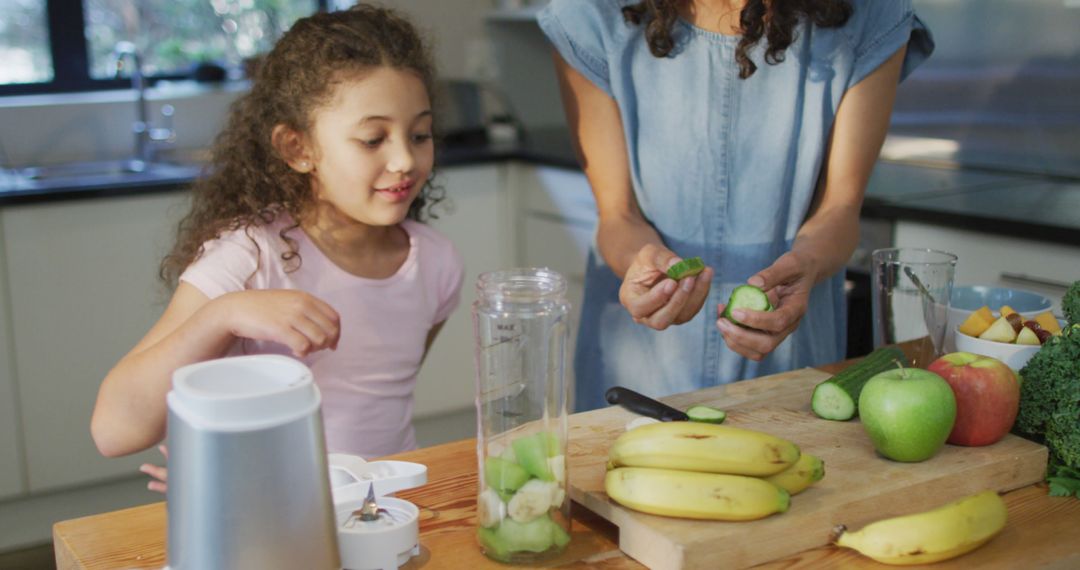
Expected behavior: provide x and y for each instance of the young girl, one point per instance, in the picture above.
(305, 239)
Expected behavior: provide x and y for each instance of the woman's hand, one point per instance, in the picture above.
(654, 299)
(293, 318)
(787, 282)
(160, 474)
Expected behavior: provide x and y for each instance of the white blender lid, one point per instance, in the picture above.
(243, 392)
(350, 476)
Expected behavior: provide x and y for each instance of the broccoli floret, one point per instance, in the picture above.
(1070, 304)
(1050, 397)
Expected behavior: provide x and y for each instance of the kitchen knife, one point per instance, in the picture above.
(644, 405)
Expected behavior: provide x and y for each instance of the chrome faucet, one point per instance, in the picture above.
(147, 138)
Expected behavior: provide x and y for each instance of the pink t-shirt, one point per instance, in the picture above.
(367, 383)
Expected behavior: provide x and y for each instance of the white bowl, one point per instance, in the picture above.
(966, 299)
(1015, 355)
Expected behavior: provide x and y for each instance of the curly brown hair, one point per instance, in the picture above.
(773, 19)
(248, 183)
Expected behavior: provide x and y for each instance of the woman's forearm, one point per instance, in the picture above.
(620, 237)
(130, 412)
(828, 238)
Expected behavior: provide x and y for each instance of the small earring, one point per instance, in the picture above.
(304, 165)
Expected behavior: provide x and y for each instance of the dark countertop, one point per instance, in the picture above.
(1017, 205)
(547, 147)
(544, 147)
(1020, 205)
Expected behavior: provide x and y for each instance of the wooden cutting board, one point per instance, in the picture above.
(859, 486)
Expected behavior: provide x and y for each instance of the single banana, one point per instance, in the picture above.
(532, 500)
(694, 495)
(940, 534)
(695, 446)
(797, 478)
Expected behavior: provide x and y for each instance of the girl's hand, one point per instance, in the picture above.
(159, 473)
(654, 299)
(787, 282)
(293, 318)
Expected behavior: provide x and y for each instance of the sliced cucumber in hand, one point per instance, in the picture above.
(686, 268)
(746, 297)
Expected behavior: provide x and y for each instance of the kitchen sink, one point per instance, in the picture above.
(107, 169)
(98, 174)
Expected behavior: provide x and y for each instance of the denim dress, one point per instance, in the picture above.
(724, 168)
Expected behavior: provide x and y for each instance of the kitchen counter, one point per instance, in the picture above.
(545, 147)
(1026, 206)
(1043, 531)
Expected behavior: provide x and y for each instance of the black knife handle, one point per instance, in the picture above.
(644, 405)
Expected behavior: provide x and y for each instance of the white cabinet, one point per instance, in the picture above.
(557, 221)
(986, 259)
(83, 289)
(479, 222)
(11, 457)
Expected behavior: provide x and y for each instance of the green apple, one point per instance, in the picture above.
(908, 413)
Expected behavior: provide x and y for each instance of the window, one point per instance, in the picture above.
(69, 45)
(24, 42)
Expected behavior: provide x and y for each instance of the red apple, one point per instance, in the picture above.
(987, 396)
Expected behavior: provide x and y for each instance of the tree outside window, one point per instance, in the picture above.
(24, 42)
(172, 36)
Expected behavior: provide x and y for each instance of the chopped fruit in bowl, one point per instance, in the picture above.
(1011, 353)
(1009, 325)
(1009, 339)
(990, 303)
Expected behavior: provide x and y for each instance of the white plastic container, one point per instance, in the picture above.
(390, 541)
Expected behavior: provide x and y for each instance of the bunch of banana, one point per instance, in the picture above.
(809, 469)
(940, 534)
(695, 495)
(706, 471)
(695, 446)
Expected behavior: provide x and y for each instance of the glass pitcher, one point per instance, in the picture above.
(520, 320)
(910, 304)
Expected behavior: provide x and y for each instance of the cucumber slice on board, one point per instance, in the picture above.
(706, 414)
(746, 297)
(686, 268)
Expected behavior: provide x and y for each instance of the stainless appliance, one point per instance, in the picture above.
(248, 479)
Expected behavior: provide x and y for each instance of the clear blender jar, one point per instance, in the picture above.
(520, 320)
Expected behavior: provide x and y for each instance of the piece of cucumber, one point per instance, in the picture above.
(532, 454)
(746, 297)
(503, 475)
(686, 268)
(494, 546)
(533, 536)
(837, 398)
(706, 414)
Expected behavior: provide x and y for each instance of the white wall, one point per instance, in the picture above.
(456, 30)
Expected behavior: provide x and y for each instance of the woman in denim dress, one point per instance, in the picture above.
(703, 134)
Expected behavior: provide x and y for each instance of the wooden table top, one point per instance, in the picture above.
(1043, 531)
